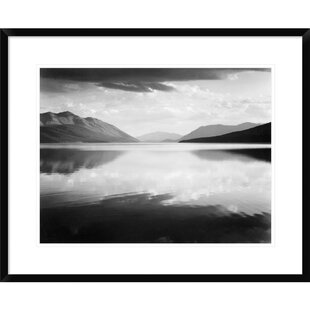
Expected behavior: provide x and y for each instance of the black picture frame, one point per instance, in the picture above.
(4, 209)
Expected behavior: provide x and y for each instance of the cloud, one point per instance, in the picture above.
(57, 86)
(139, 79)
(256, 100)
(53, 86)
(137, 87)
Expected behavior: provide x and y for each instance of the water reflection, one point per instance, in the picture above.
(245, 155)
(66, 161)
(155, 194)
(145, 219)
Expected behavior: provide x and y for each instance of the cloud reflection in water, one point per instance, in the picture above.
(238, 180)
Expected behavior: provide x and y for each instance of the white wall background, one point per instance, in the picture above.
(159, 13)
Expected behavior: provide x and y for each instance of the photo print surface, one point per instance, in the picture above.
(155, 155)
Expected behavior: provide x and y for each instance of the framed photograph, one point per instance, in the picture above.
(154, 155)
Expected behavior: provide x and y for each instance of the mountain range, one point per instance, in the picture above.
(159, 136)
(216, 130)
(258, 134)
(68, 127)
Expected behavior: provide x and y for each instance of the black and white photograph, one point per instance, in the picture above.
(156, 155)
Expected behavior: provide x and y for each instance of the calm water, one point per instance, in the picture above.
(213, 193)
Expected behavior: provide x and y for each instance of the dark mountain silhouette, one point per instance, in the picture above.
(68, 127)
(259, 134)
(216, 130)
(159, 136)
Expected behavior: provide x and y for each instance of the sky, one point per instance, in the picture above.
(144, 100)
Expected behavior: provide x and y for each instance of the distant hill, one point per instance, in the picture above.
(169, 141)
(159, 136)
(258, 134)
(68, 127)
(216, 130)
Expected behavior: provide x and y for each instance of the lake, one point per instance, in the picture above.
(155, 193)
